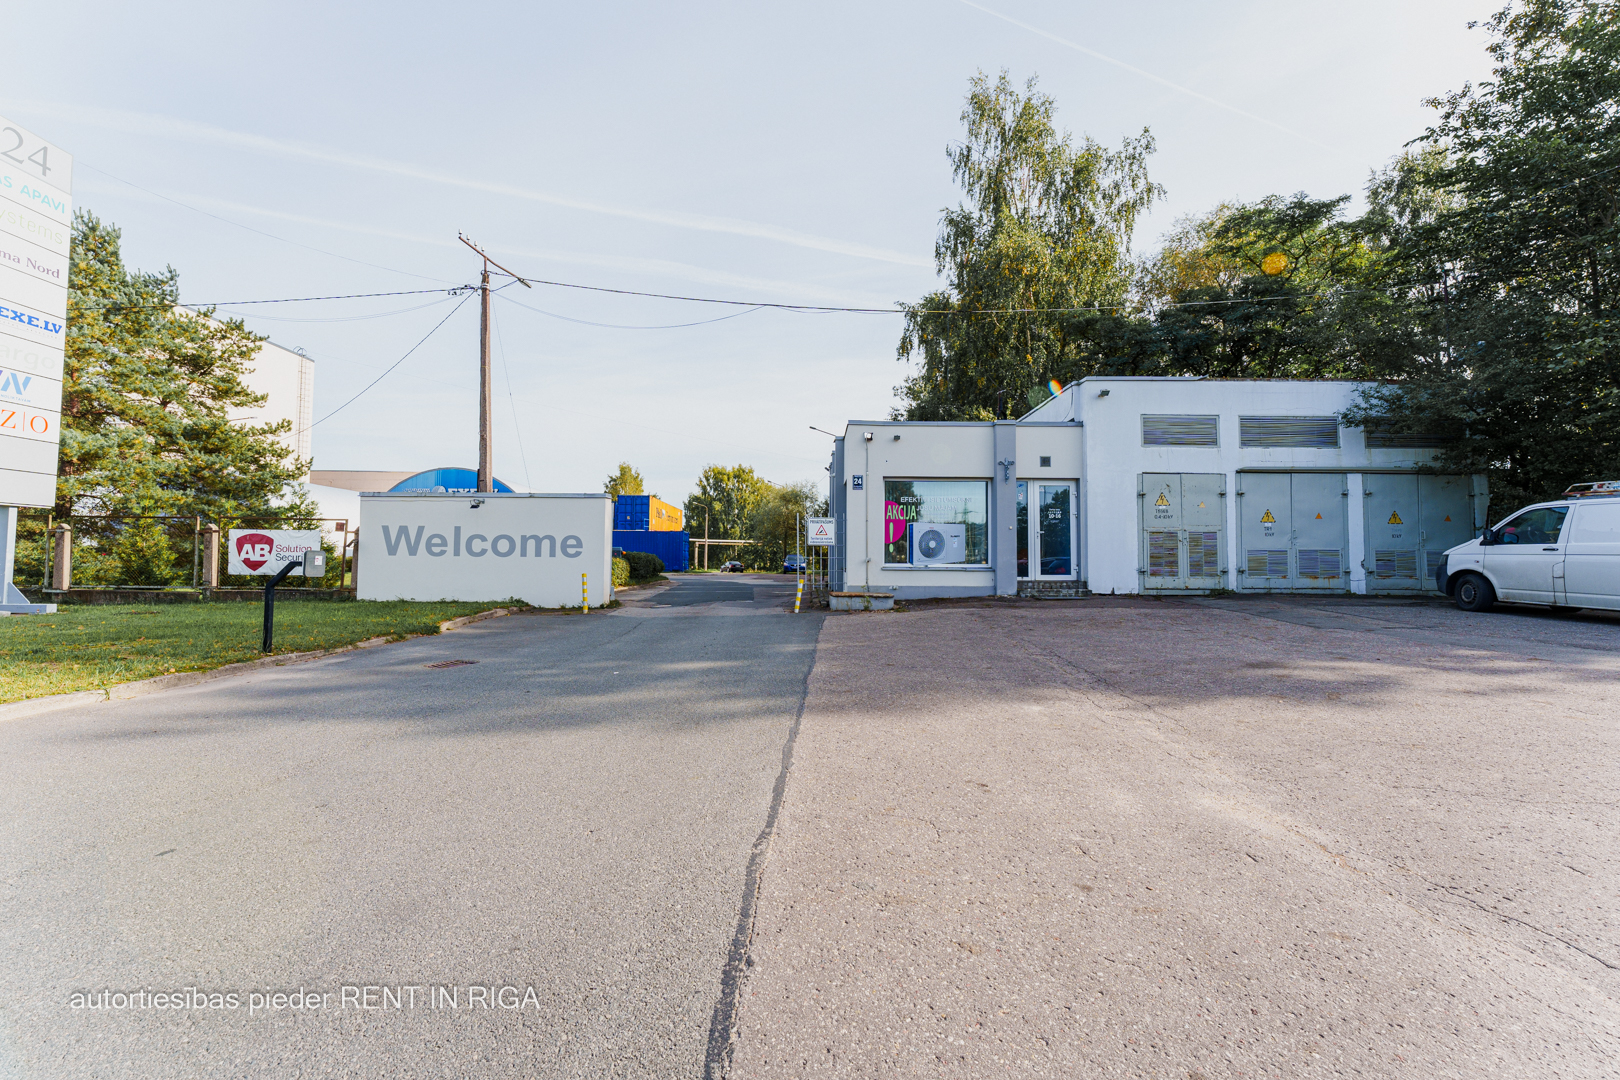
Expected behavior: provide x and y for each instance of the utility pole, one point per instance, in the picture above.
(486, 418)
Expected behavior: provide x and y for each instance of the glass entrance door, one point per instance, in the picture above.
(1047, 527)
(1056, 529)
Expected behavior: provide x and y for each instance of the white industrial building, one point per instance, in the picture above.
(1147, 485)
(287, 379)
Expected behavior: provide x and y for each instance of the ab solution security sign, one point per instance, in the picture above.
(265, 551)
(417, 545)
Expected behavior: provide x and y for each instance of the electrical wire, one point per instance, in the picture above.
(395, 364)
(517, 426)
(305, 299)
(623, 326)
(822, 309)
(342, 318)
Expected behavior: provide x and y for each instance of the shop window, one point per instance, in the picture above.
(936, 522)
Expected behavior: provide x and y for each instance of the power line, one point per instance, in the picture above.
(306, 299)
(345, 318)
(517, 426)
(395, 364)
(829, 309)
(624, 326)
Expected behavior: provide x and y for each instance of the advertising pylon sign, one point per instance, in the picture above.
(36, 224)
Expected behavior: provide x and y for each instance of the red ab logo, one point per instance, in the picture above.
(254, 549)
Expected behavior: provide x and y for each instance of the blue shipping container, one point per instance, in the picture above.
(630, 512)
(671, 547)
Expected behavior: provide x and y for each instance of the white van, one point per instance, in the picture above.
(1564, 554)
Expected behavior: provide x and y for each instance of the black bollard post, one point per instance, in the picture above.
(270, 603)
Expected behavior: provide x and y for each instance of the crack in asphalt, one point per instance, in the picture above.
(727, 1009)
(1455, 892)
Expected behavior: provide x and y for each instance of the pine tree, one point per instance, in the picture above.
(145, 435)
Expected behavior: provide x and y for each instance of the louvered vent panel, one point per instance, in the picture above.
(1268, 563)
(1176, 430)
(1404, 440)
(1432, 558)
(1203, 554)
(1320, 562)
(1401, 563)
(1162, 554)
(1319, 431)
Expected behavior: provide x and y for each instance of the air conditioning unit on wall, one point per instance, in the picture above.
(929, 543)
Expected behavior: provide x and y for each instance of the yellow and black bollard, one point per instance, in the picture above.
(584, 593)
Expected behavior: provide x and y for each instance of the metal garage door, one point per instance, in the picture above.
(1411, 520)
(1293, 531)
(1183, 516)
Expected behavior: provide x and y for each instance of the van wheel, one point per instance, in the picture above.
(1474, 593)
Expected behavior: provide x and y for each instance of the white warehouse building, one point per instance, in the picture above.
(1147, 485)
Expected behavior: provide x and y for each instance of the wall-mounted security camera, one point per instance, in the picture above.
(475, 504)
(868, 436)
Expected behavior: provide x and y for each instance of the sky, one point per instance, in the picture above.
(786, 153)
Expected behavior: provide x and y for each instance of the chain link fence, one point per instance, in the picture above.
(123, 551)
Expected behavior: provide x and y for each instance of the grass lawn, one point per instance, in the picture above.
(91, 646)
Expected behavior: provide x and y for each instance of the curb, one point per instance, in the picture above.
(143, 687)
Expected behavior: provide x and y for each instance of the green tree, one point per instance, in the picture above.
(725, 502)
(1281, 288)
(145, 435)
(1047, 225)
(777, 520)
(1505, 225)
(626, 481)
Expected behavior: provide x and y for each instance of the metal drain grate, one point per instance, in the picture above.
(451, 663)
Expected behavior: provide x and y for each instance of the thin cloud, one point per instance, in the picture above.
(186, 130)
(1094, 54)
(662, 267)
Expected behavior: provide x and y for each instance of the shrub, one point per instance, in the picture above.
(644, 564)
(621, 572)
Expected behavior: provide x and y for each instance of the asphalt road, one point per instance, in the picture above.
(1196, 840)
(570, 817)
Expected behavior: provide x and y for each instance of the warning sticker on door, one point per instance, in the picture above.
(1395, 518)
(1161, 501)
(1267, 518)
(1318, 517)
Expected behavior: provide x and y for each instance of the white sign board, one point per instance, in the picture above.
(266, 551)
(820, 532)
(36, 216)
(439, 546)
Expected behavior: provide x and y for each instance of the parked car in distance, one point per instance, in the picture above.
(732, 567)
(793, 564)
(1564, 554)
